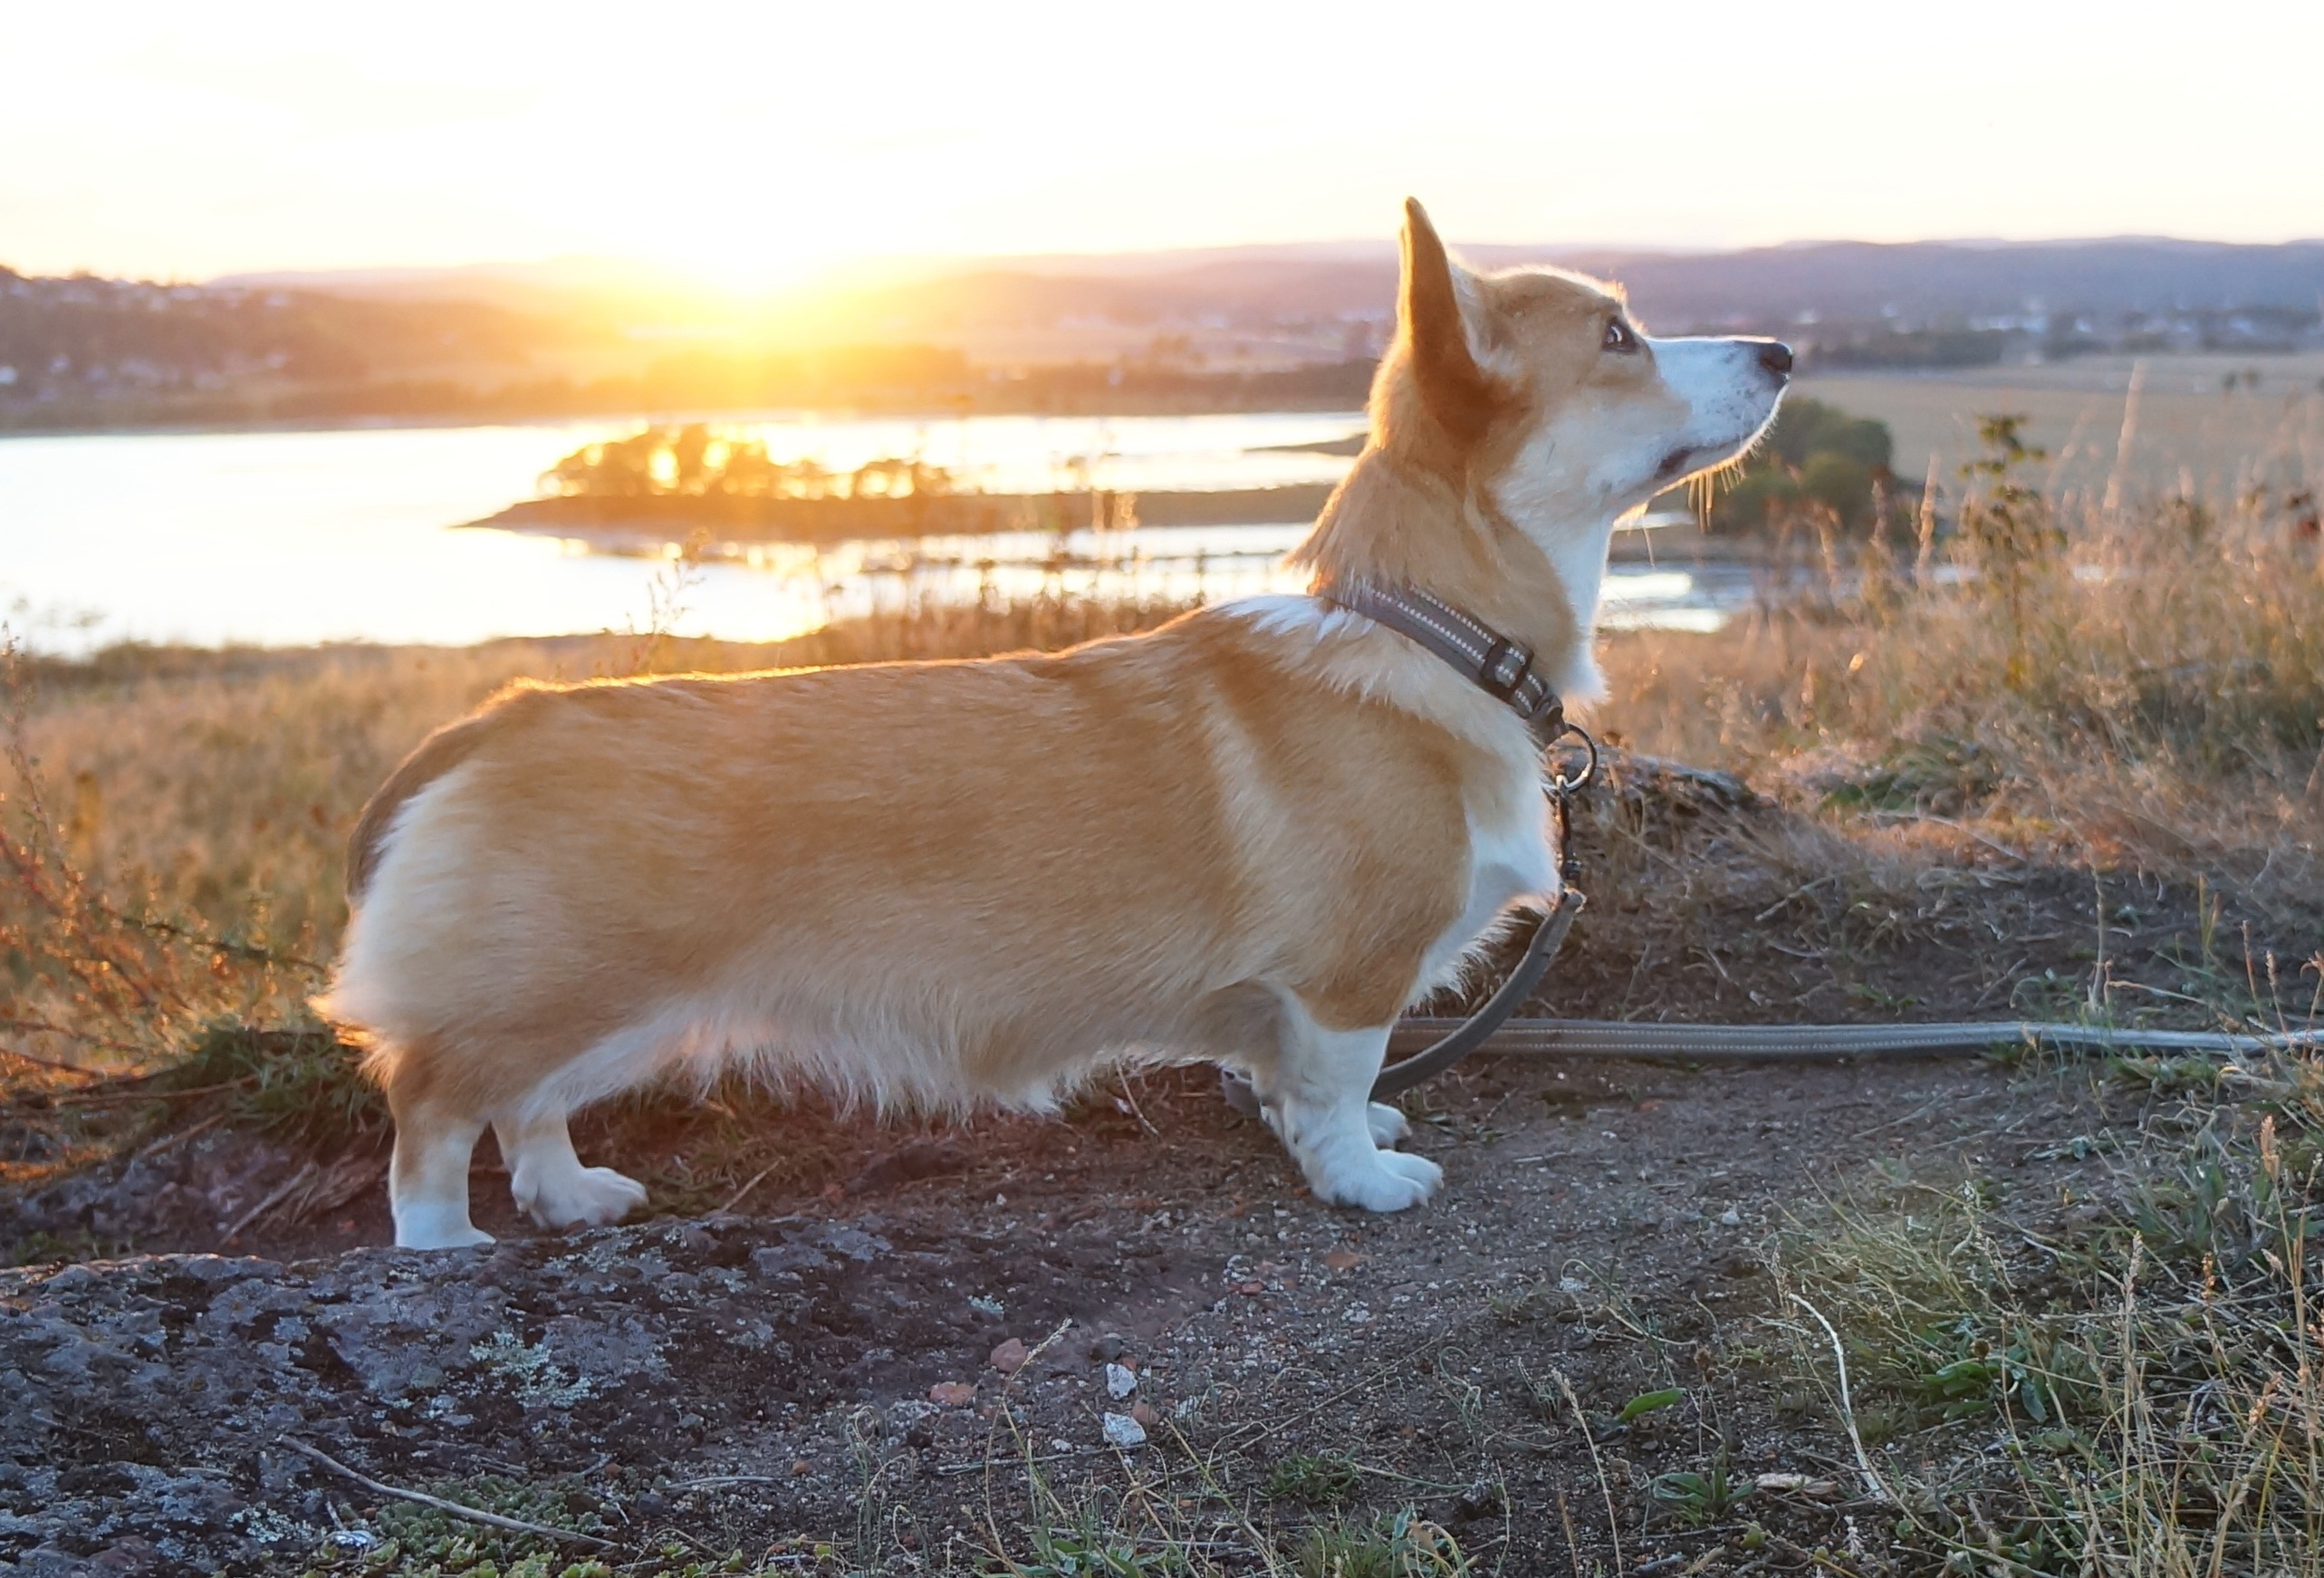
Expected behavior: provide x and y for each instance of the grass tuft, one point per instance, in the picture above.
(2137, 1389)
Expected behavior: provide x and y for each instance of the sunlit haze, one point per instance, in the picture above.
(754, 143)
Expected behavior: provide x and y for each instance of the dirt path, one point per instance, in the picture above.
(1605, 1225)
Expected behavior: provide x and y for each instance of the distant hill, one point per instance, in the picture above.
(2105, 292)
(1223, 328)
(1925, 283)
(1330, 301)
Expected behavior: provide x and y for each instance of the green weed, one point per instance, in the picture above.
(1324, 1479)
(1401, 1545)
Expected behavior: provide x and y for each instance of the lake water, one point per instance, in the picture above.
(289, 539)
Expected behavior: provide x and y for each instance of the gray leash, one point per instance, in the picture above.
(1429, 1046)
(1616, 1038)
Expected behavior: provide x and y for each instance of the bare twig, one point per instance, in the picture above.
(295, 1181)
(115, 1098)
(1872, 1484)
(757, 1178)
(42, 1027)
(1581, 1423)
(473, 1515)
(48, 1062)
(171, 1141)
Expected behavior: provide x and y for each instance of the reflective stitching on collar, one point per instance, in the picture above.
(1467, 644)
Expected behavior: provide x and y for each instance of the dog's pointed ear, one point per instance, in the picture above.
(1458, 393)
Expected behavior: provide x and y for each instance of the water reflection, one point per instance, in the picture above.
(285, 539)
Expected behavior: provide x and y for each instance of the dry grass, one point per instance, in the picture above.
(2134, 1387)
(2141, 689)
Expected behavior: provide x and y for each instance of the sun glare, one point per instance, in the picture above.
(755, 144)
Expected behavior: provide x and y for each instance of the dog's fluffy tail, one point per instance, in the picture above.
(437, 755)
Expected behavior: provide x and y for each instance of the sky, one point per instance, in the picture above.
(755, 144)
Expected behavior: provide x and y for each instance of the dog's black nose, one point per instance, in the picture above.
(1776, 357)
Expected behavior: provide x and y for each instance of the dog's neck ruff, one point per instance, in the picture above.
(1501, 668)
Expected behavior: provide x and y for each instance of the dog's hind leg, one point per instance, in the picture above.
(427, 1180)
(1317, 1097)
(549, 1182)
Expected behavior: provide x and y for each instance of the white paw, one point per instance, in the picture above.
(585, 1196)
(1389, 1124)
(1385, 1181)
(434, 1227)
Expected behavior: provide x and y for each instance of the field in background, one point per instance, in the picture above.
(2195, 433)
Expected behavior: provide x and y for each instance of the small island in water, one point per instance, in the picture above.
(667, 485)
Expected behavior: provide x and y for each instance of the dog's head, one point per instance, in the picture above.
(1535, 389)
(1551, 394)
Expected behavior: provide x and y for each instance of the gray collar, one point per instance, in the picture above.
(1501, 668)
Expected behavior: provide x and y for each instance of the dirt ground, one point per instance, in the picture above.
(892, 1351)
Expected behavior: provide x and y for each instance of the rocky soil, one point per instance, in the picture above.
(922, 1376)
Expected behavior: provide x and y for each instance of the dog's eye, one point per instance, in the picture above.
(1619, 337)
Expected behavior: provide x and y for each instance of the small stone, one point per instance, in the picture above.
(1730, 1218)
(1342, 1260)
(1142, 1414)
(952, 1394)
(1010, 1356)
(1250, 1290)
(1120, 1382)
(1123, 1432)
(1107, 1348)
(1481, 1499)
(799, 1467)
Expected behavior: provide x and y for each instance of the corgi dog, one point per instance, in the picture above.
(1252, 837)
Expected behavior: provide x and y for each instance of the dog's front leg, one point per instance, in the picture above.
(1319, 1103)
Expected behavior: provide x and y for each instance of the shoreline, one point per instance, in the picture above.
(920, 411)
(646, 523)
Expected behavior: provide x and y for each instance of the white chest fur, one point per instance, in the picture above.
(1509, 859)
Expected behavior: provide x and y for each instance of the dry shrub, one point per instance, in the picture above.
(2145, 685)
